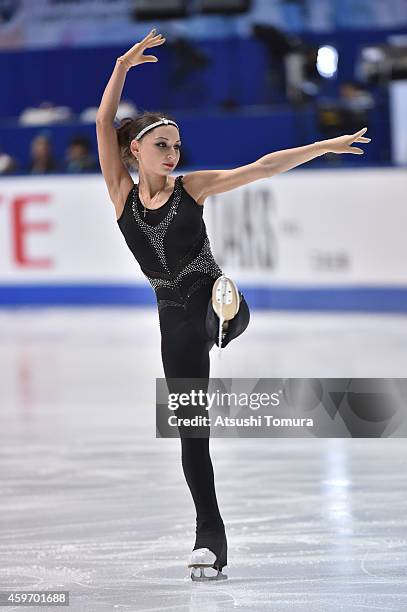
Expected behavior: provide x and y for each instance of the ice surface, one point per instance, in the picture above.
(93, 503)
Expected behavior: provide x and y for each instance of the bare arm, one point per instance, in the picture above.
(115, 173)
(281, 161)
(112, 94)
(209, 182)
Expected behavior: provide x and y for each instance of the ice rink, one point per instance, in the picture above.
(93, 503)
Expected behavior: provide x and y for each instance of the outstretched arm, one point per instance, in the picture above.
(115, 173)
(209, 182)
(281, 161)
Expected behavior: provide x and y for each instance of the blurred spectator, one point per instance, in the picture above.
(355, 103)
(42, 159)
(78, 156)
(348, 113)
(354, 96)
(8, 164)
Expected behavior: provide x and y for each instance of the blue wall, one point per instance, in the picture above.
(217, 139)
(238, 70)
(77, 77)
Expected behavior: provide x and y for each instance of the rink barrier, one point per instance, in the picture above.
(283, 241)
(352, 299)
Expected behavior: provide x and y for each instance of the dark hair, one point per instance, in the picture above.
(129, 128)
(81, 140)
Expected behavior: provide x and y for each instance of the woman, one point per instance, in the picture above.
(161, 220)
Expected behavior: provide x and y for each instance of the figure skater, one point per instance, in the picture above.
(162, 224)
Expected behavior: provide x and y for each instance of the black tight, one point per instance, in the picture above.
(186, 355)
(185, 350)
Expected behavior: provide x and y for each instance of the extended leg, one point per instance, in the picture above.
(185, 355)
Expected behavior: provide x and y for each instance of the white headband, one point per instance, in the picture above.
(162, 121)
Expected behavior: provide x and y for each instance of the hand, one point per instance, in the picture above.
(134, 56)
(342, 143)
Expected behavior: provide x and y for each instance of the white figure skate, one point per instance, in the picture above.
(225, 302)
(201, 562)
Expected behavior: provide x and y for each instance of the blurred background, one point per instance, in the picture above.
(242, 78)
(92, 502)
(276, 72)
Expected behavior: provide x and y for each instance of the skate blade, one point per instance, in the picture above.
(206, 574)
(225, 298)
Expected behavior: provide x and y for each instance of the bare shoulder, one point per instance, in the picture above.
(192, 185)
(204, 183)
(117, 177)
(119, 198)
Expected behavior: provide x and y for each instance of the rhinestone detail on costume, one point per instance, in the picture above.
(204, 280)
(157, 233)
(203, 262)
(165, 303)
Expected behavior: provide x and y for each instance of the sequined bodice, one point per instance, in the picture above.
(170, 244)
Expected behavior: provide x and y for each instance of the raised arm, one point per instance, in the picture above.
(115, 173)
(209, 182)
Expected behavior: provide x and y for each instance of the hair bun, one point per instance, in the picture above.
(125, 121)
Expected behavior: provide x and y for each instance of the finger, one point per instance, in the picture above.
(362, 131)
(158, 40)
(154, 43)
(150, 58)
(149, 40)
(362, 139)
(152, 33)
(356, 150)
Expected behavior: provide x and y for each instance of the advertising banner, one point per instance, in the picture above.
(301, 229)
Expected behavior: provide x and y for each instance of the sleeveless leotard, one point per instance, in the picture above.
(172, 248)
